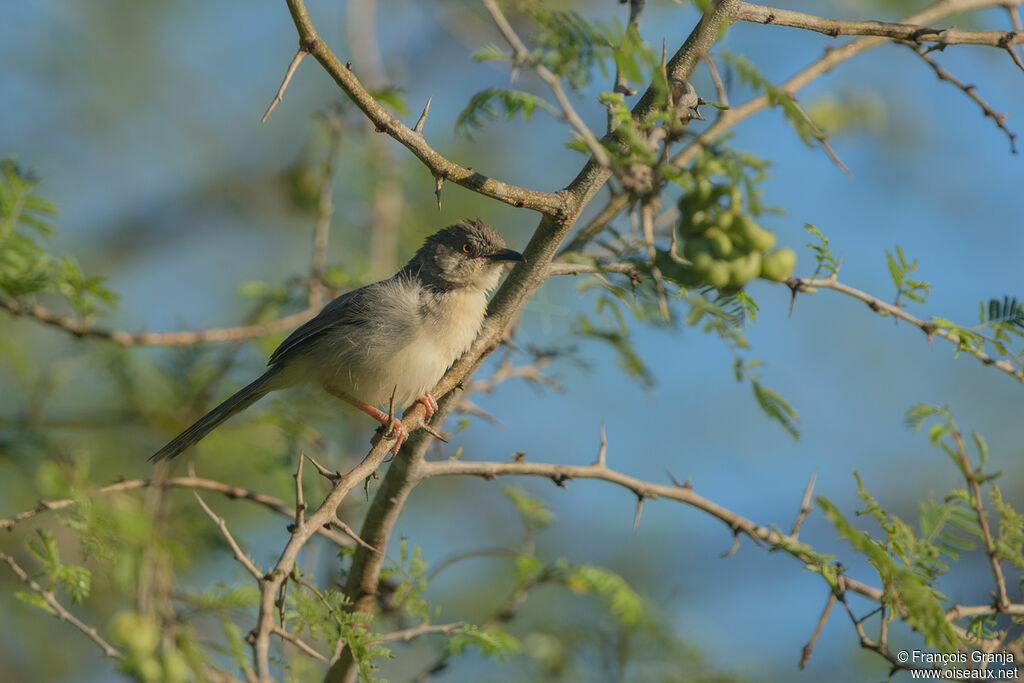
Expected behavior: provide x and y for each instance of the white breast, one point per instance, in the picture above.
(408, 361)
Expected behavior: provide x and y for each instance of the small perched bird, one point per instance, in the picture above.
(395, 337)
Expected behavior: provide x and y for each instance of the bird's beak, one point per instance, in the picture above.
(506, 255)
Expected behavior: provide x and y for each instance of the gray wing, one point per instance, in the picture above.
(341, 311)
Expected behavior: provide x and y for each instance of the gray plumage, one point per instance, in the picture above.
(397, 335)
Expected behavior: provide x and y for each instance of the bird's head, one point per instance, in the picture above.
(467, 254)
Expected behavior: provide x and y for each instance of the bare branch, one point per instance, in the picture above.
(885, 308)
(730, 117)
(805, 508)
(683, 494)
(385, 121)
(409, 634)
(242, 558)
(616, 203)
(716, 78)
(971, 91)
(80, 328)
(60, 611)
(226, 490)
(809, 647)
(296, 60)
(522, 56)
(893, 31)
(300, 503)
(1002, 599)
(299, 643)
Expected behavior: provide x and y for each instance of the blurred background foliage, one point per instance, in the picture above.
(141, 121)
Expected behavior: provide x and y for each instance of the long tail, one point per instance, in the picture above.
(241, 400)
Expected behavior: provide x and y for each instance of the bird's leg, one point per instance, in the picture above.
(392, 425)
(429, 402)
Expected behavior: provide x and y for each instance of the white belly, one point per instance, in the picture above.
(410, 369)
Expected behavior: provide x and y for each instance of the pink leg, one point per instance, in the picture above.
(396, 429)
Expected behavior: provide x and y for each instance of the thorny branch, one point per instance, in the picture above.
(833, 57)
(522, 56)
(195, 483)
(969, 90)
(884, 308)
(903, 31)
(385, 121)
(183, 338)
(59, 610)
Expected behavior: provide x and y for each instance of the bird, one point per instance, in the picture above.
(385, 343)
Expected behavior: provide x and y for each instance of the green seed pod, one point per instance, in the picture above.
(753, 235)
(745, 268)
(778, 265)
(735, 198)
(703, 190)
(718, 274)
(714, 167)
(724, 221)
(721, 244)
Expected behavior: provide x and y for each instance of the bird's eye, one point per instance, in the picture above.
(465, 247)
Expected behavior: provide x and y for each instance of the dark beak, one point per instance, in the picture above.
(506, 255)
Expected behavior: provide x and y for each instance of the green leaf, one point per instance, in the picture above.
(490, 52)
(76, 580)
(392, 96)
(617, 594)
(34, 599)
(490, 639)
(535, 514)
(481, 107)
(777, 408)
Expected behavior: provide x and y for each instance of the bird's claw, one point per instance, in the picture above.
(397, 431)
(429, 402)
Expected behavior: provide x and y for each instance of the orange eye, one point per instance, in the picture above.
(465, 247)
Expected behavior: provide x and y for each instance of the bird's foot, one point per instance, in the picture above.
(430, 403)
(393, 430)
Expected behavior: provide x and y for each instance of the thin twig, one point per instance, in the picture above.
(81, 328)
(226, 490)
(885, 308)
(60, 611)
(1013, 9)
(300, 503)
(544, 202)
(805, 508)
(522, 56)
(971, 91)
(1002, 599)
(720, 91)
(287, 635)
(352, 534)
(292, 66)
(408, 634)
(616, 202)
(647, 209)
(730, 117)
(907, 31)
(809, 647)
(242, 558)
